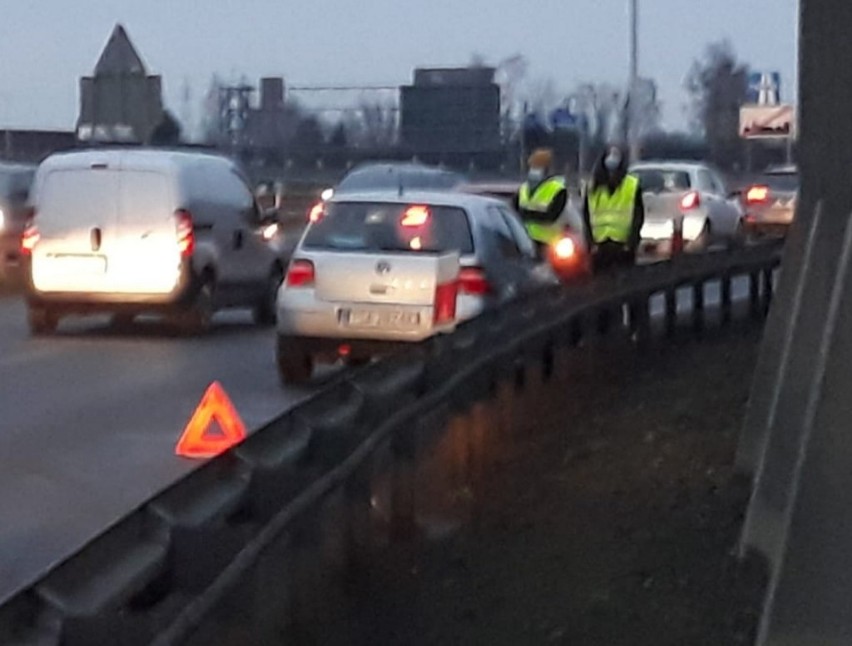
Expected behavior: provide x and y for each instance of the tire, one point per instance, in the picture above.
(295, 365)
(42, 321)
(739, 239)
(198, 319)
(122, 320)
(264, 312)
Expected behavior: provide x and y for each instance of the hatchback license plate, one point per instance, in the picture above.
(373, 318)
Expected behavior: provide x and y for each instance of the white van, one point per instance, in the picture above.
(137, 231)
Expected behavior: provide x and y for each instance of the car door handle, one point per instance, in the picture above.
(95, 238)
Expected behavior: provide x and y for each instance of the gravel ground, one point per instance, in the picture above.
(614, 523)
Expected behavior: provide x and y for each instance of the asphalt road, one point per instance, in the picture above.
(90, 419)
(91, 416)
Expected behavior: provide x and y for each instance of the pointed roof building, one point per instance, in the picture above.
(120, 102)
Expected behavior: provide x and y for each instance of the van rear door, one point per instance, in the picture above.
(76, 218)
(144, 256)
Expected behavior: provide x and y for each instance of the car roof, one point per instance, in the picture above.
(467, 201)
(147, 158)
(686, 166)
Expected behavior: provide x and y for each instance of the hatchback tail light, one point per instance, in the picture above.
(445, 302)
(300, 274)
(691, 200)
(29, 238)
(316, 212)
(757, 194)
(472, 281)
(184, 232)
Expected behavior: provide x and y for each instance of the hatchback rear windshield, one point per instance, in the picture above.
(390, 179)
(657, 180)
(787, 182)
(357, 226)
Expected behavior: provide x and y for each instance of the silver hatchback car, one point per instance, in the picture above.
(378, 271)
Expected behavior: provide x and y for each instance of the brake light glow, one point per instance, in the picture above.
(415, 216)
(445, 302)
(316, 212)
(29, 239)
(184, 233)
(691, 200)
(472, 281)
(757, 194)
(300, 273)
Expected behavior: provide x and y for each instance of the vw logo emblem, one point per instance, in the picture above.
(383, 268)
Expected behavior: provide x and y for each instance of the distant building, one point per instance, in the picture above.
(120, 102)
(451, 111)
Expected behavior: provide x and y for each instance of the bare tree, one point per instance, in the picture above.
(373, 124)
(717, 85)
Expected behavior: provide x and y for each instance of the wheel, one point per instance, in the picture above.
(739, 238)
(295, 365)
(264, 311)
(703, 241)
(198, 319)
(42, 321)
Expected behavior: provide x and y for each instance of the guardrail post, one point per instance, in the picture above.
(767, 289)
(671, 311)
(754, 293)
(726, 300)
(698, 306)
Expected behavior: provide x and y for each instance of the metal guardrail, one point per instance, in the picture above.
(270, 526)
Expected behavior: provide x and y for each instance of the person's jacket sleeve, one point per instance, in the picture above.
(638, 220)
(587, 222)
(557, 206)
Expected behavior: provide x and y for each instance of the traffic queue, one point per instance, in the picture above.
(393, 254)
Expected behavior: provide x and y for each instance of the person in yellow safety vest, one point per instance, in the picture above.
(613, 212)
(541, 200)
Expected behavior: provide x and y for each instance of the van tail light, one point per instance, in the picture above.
(472, 281)
(445, 302)
(30, 238)
(184, 233)
(300, 274)
(757, 194)
(691, 200)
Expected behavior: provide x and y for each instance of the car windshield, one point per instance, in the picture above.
(786, 182)
(658, 180)
(389, 179)
(361, 226)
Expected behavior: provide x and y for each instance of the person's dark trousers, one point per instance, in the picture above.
(610, 258)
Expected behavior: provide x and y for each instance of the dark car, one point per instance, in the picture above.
(15, 183)
(390, 177)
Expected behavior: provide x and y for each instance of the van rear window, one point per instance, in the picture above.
(357, 226)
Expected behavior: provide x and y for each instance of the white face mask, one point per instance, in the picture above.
(612, 161)
(536, 174)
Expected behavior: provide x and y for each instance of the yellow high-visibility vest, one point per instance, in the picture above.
(539, 201)
(611, 215)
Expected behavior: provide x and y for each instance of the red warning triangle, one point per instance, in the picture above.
(215, 413)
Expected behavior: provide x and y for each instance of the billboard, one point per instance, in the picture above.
(767, 121)
(764, 88)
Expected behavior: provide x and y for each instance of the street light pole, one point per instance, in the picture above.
(633, 91)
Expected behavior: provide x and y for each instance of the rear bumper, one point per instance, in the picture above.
(121, 302)
(331, 349)
(301, 314)
(766, 228)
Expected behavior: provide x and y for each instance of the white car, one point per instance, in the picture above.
(711, 213)
(378, 271)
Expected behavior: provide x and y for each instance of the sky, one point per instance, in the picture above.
(46, 45)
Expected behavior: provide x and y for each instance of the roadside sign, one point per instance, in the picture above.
(767, 121)
(764, 88)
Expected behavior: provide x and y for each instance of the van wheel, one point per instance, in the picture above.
(122, 320)
(199, 318)
(42, 321)
(295, 365)
(264, 311)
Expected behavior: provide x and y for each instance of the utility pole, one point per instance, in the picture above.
(633, 91)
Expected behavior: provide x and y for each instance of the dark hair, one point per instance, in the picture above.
(601, 175)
